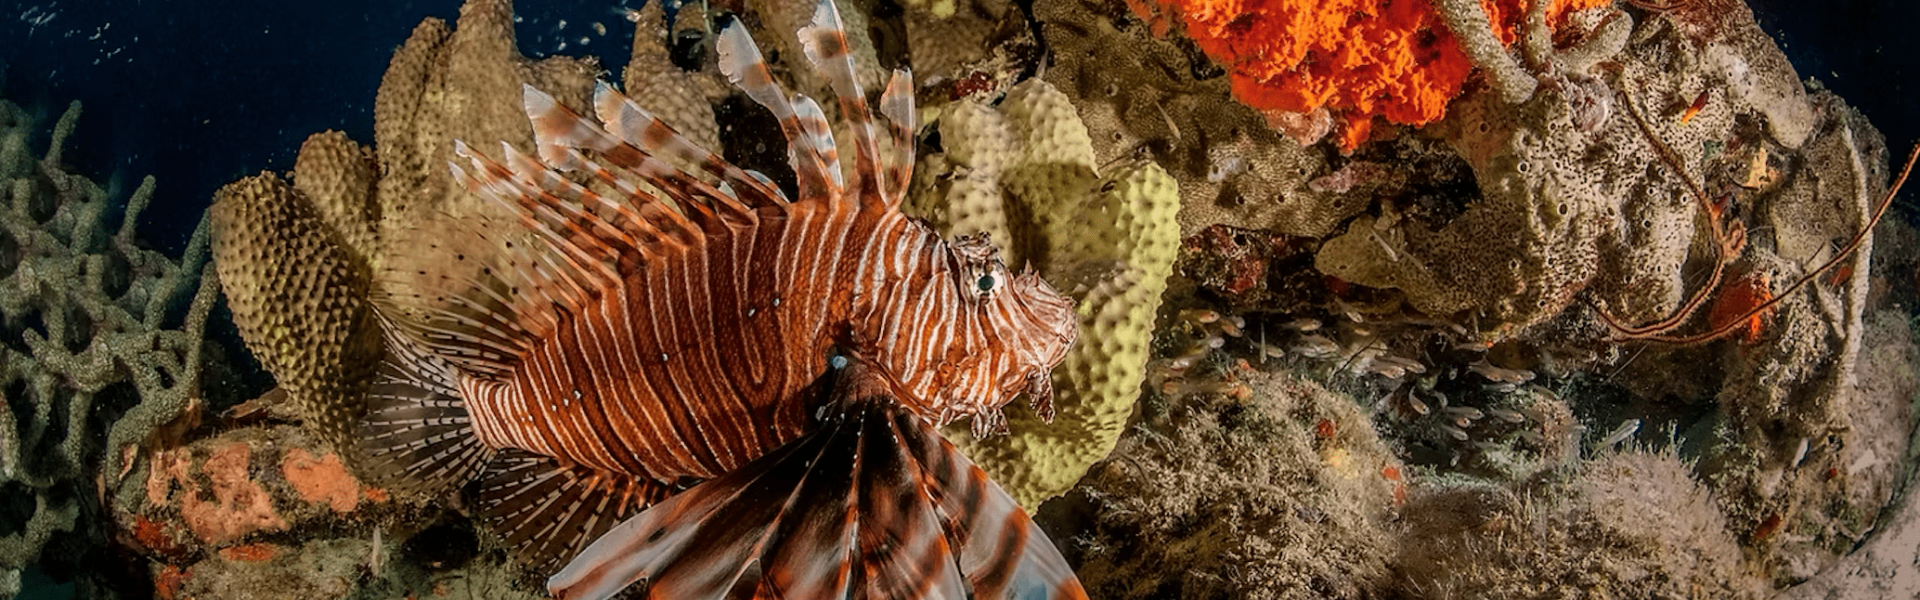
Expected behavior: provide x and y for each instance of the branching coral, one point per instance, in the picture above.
(1357, 59)
(97, 347)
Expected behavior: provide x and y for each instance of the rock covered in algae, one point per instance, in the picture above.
(1289, 494)
(1573, 197)
(1143, 96)
(269, 511)
(1633, 524)
(1025, 170)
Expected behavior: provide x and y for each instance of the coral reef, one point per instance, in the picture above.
(1447, 278)
(1024, 172)
(267, 511)
(1288, 494)
(1629, 524)
(103, 346)
(1569, 171)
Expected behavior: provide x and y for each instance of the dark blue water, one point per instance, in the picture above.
(1863, 50)
(199, 93)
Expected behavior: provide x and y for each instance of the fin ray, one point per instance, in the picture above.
(741, 62)
(547, 511)
(896, 104)
(825, 44)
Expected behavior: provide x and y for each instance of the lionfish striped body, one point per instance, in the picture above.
(641, 345)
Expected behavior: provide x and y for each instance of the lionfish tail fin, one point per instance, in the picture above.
(897, 105)
(825, 43)
(741, 62)
(871, 504)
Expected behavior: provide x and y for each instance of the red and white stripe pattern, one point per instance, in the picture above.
(661, 342)
(873, 504)
(666, 340)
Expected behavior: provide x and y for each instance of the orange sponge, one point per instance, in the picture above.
(1357, 58)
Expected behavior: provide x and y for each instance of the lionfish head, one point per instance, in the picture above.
(1028, 326)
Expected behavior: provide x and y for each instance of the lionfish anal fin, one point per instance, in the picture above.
(871, 504)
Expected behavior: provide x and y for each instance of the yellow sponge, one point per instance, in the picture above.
(1109, 242)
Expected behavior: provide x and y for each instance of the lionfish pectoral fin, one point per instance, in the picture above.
(871, 504)
(729, 534)
(417, 436)
(547, 511)
(999, 549)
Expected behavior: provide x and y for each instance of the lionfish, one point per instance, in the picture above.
(659, 361)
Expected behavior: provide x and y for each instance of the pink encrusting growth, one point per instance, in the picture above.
(639, 345)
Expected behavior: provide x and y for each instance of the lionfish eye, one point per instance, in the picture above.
(987, 282)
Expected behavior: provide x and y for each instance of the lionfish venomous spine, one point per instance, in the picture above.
(624, 347)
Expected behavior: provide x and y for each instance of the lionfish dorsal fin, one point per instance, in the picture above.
(481, 296)
(444, 300)
(820, 133)
(825, 44)
(741, 62)
(563, 136)
(896, 103)
(631, 123)
(546, 511)
(855, 508)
